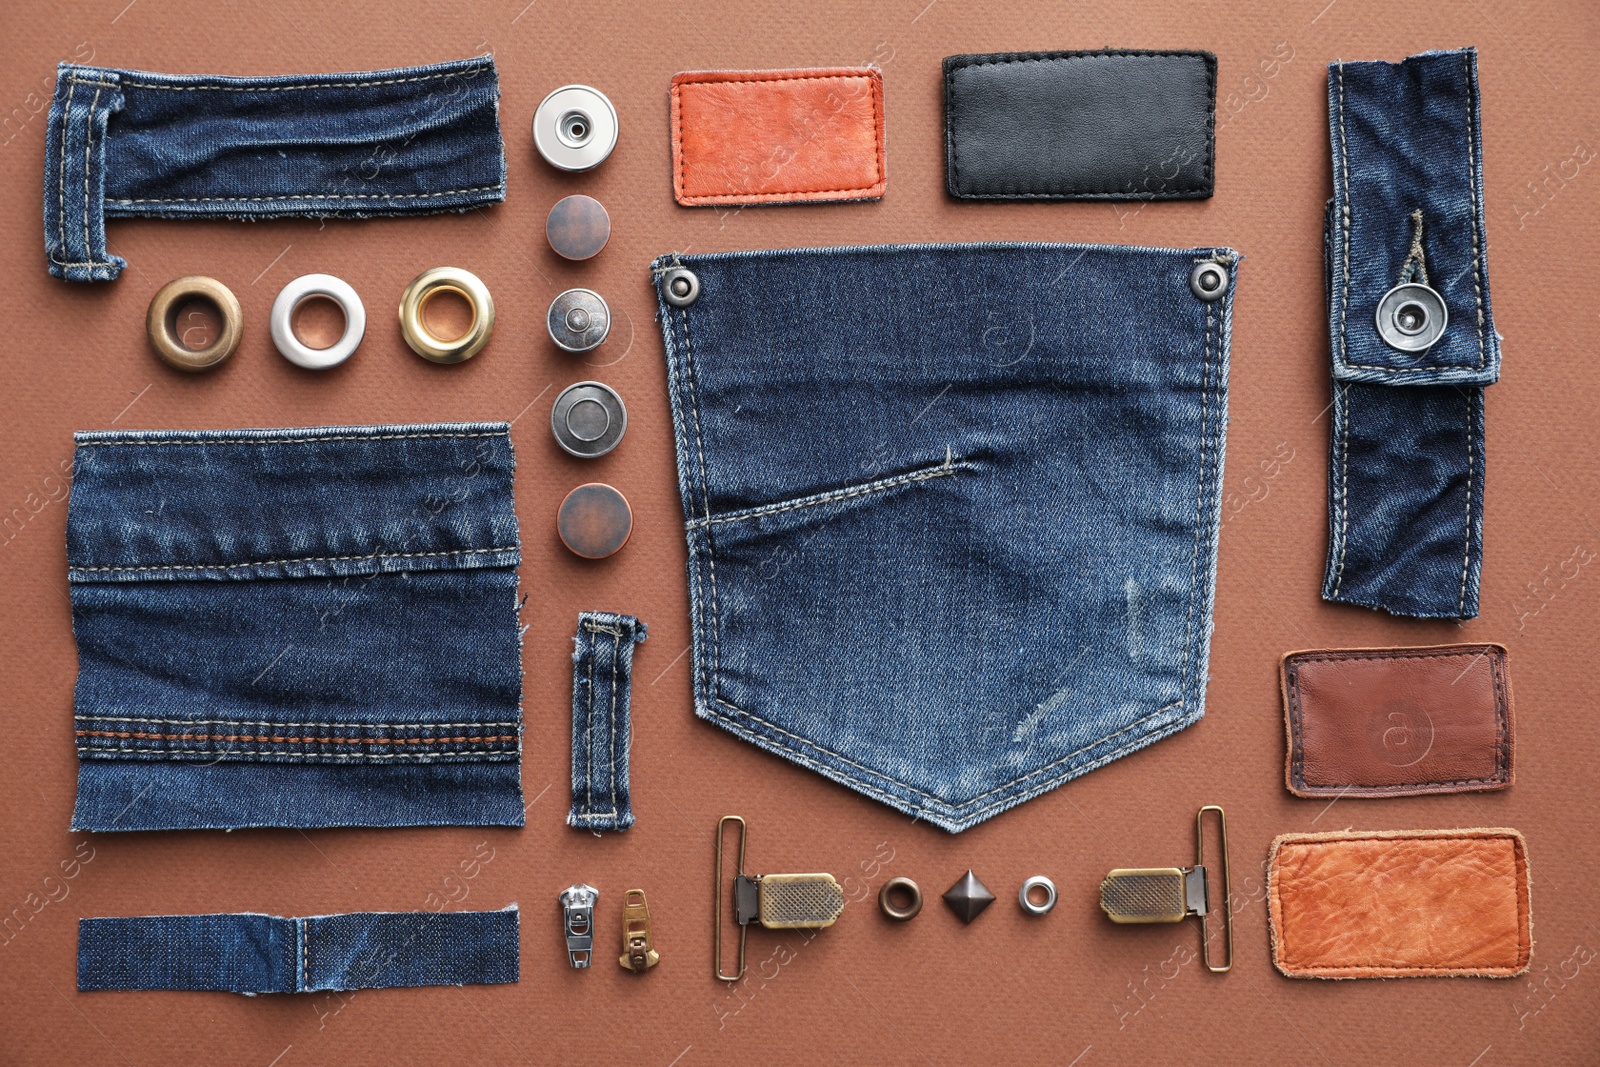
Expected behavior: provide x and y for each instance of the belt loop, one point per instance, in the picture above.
(75, 174)
(602, 678)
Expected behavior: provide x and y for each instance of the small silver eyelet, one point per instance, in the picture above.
(680, 287)
(1208, 280)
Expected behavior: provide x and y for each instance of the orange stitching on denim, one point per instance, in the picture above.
(280, 739)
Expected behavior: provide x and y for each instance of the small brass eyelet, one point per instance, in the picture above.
(425, 287)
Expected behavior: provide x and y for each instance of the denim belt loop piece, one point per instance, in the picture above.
(307, 628)
(252, 953)
(951, 510)
(1406, 460)
(602, 685)
(127, 143)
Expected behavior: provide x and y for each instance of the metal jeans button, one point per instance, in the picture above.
(680, 286)
(575, 128)
(1412, 317)
(578, 320)
(1208, 280)
(578, 227)
(594, 521)
(588, 419)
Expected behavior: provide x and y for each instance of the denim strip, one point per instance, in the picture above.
(296, 628)
(252, 953)
(602, 685)
(127, 143)
(952, 510)
(1406, 461)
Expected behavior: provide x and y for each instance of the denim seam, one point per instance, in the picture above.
(88, 145)
(220, 440)
(305, 953)
(948, 467)
(588, 735)
(61, 185)
(139, 735)
(611, 731)
(1344, 217)
(1199, 505)
(300, 559)
(307, 196)
(1466, 551)
(358, 84)
(497, 756)
(1477, 199)
(330, 725)
(911, 789)
(1343, 505)
(705, 496)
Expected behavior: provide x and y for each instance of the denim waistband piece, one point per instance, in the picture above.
(1406, 459)
(952, 510)
(313, 627)
(126, 143)
(251, 953)
(602, 684)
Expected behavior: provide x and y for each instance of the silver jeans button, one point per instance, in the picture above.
(579, 320)
(1412, 317)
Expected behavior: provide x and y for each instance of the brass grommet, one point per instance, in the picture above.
(164, 309)
(895, 911)
(425, 287)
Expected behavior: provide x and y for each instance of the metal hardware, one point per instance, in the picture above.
(578, 320)
(162, 320)
(578, 227)
(968, 897)
(1412, 317)
(1171, 894)
(1209, 280)
(588, 419)
(900, 912)
(680, 286)
(1025, 898)
(638, 954)
(426, 286)
(594, 521)
(297, 292)
(776, 901)
(575, 128)
(577, 910)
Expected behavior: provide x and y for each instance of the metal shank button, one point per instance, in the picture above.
(680, 287)
(1208, 280)
(1412, 317)
(579, 320)
(588, 419)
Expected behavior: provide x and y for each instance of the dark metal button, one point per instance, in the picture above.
(575, 128)
(1412, 317)
(579, 320)
(594, 521)
(588, 419)
(578, 227)
(680, 286)
(1209, 280)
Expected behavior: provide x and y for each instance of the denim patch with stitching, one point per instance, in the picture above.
(303, 628)
(951, 510)
(129, 143)
(602, 697)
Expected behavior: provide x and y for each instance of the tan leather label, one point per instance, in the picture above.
(1397, 721)
(777, 136)
(1400, 904)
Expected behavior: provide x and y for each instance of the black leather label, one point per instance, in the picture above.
(1111, 125)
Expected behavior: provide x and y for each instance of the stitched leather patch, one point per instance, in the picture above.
(1108, 125)
(1400, 904)
(1397, 721)
(777, 136)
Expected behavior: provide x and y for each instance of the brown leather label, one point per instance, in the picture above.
(777, 136)
(1400, 904)
(1397, 721)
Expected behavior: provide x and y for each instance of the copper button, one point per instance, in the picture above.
(594, 521)
(578, 227)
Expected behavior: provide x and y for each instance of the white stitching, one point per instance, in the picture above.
(268, 439)
(1472, 178)
(357, 84)
(61, 186)
(1344, 482)
(485, 755)
(947, 467)
(311, 196)
(1199, 504)
(1466, 551)
(88, 144)
(705, 496)
(331, 725)
(1344, 216)
(301, 559)
(612, 719)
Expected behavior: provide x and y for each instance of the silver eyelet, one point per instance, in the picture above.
(1209, 280)
(680, 287)
(1031, 906)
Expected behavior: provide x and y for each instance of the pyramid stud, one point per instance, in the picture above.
(968, 897)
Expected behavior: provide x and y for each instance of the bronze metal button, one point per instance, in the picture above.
(594, 521)
(578, 227)
(161, 323)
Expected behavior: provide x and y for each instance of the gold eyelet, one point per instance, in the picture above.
(164, 308)
(425, 287)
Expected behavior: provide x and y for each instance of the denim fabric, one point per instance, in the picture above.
(125, 143)
(251, 953)
(303, 628)
(952, 510)
(1406, 462)
(602, 686)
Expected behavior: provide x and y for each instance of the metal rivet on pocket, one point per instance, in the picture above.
(579, 320)
(594, 521)
(575, 128)
(1412, 317)
(680, 286)
(1209, 280)
(588, 419)
(578, 227)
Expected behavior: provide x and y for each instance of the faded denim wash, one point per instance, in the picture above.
(1406, 458)
(602, 733)
(128, 143)
(952, 510)
(312, 627)
(251, 953)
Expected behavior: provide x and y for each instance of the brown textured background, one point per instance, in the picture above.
(1068, 989)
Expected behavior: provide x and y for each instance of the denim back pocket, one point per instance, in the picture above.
(296, 628)
(951, 510)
